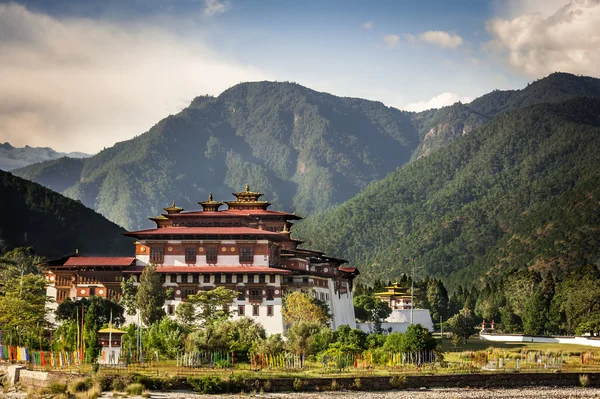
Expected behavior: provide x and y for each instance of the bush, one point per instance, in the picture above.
(118, 384)
(81, 385)
(267, 385)
(56, 388)
(235, 382)
(297, 384)
(584, 380)
(357, 383)
(398, 382)
(103, 381)
(206, 384)
(334, 385)
(135, 389)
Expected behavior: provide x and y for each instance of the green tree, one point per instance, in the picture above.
(418, 338)
(535, 314)
(370, 309)
(128, 296)
(301, 307)
(70, 310)
(437, 297)
(186, 314)
(462, 324)
(91, 327)
(150, 296)
(212, 306)
(307, 338)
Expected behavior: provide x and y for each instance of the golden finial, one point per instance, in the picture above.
(247, 187)
(173, 204)
(210, 197)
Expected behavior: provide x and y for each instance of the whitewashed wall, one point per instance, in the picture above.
(551, 340)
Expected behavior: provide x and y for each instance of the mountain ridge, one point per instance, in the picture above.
(18, 157)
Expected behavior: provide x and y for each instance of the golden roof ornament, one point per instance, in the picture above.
(173, 208)
(247, 188)
(210, 197)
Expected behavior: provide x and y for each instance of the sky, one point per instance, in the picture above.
(81, 75)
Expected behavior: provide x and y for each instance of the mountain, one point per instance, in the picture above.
(53, 224)
(438, 127)
(306, 150)
(13, 157)
(522, 191)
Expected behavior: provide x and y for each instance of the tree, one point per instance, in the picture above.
(307, 338)
(150, 297)
(91, 327)
(462, 324)
(418, 338)
(70, 310)
(372, 310)
(128, 296)
(535, 314)
(437, 296)
(212, 306)
(301, 307)
(186, 314)
(352, 339)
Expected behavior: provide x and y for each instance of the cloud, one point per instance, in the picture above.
(368, 25)
(78, 84)
(391, 40)
(536, 45)
(441, 100)
(215, 7)
(442, 39)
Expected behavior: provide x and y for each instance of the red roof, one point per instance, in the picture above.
(237, 213)
(98, 261)
(212, 269)
(348, 269)
(203, 231)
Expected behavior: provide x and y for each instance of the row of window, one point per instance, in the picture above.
(226, 278)
(157, 255)
(241, 310)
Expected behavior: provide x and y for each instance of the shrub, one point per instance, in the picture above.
(206, 384)
(357, 383)
(398, 382)
(297, 384)
(81, 385)
(235, 382)
(135, 389)
(104, 381)
(56, 388)
(118, 384)
(584, 380)
(267, 385)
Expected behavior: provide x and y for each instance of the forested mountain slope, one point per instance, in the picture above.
(306, 150)
(523, 191)
(438, 127)
(53, 224)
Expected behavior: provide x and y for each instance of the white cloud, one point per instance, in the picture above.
(536, 44)
(441, 38)
(78, 84)
(215, 7)
(441, 100)
(391, 40)
(368, 25)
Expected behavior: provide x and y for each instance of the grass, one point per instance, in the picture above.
(135, 389)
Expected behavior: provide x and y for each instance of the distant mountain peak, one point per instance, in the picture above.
(6, 146)
(18, 157)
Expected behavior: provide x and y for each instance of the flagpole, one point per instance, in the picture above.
(110, 338)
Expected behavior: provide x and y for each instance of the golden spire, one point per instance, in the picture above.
(210, 197)
(247, 188)
(173, 208)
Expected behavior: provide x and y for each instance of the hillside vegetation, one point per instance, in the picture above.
(306, 150)
(523, 191)
(53, 224)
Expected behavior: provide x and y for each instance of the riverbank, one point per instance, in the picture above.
(454, 393)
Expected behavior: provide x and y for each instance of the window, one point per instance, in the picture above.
(195, 278)
(206, 278)
(246, 254)
(241, 295)
(211, 255)
(269, 310)
(157, 255)
(163, 278)
(261, 278)
(228, 278)
(270, 294)
(217, 278)
(239, 278)
(173, 278)
(255, 310)
(272, 278)
(241, 310)
(190, 255)
(251, 278)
